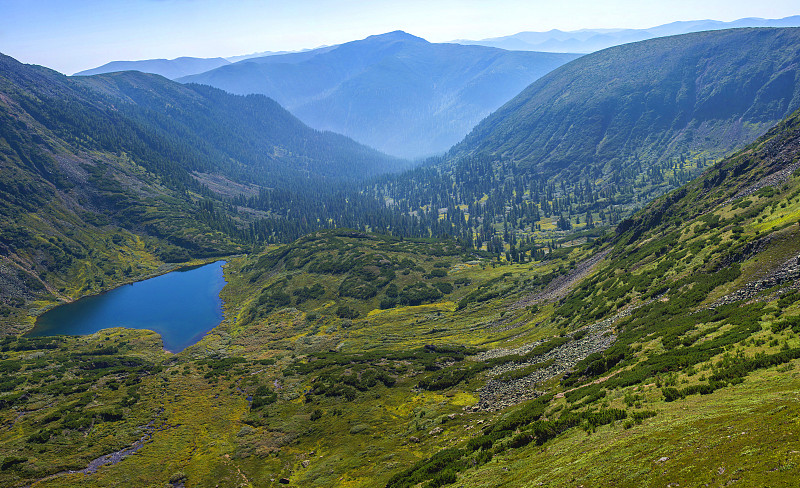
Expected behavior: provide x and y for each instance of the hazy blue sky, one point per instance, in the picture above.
(72, 35)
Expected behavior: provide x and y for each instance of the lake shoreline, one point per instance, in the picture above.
(160, 271)
(181, 302)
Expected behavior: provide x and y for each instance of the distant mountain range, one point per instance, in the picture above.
(399, 93)
(261, 54)
(590, 40)
(168, 68)
(396, 92)
(178, 67)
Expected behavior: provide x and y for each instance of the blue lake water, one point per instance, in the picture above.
(181, 306)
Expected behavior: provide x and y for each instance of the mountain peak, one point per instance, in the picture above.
(397, 35)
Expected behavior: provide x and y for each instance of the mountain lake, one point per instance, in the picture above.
(181, 306)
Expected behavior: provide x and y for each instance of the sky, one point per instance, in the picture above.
(73, 35)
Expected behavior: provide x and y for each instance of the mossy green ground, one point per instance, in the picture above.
(201, 424)
(745, 434)
(337, 396)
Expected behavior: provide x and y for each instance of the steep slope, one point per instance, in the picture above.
(199, 128)
(703, 93)
(168, 68)
(700, 294)
(395, 92)
(85, 202)
(104, 179)
(590, 40)
(596, 139)
(251, 135)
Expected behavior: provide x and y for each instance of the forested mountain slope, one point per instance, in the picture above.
(395, 92)
(251, 138)
(640, 104)
(200, 128)
(105, 178)
(598, 138)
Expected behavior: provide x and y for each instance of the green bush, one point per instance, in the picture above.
(272, 298)
(357, 288)
(262, 397)
(345, 312)
(481, 442)
(444, 478)
(11, 462)
(308, 293)
(451, 376)
(418, 293)
(40, 437)
(444, 287)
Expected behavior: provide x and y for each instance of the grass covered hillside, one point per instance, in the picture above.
(694, 95)
(666, 353)
(315, 348)
(700, 290)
